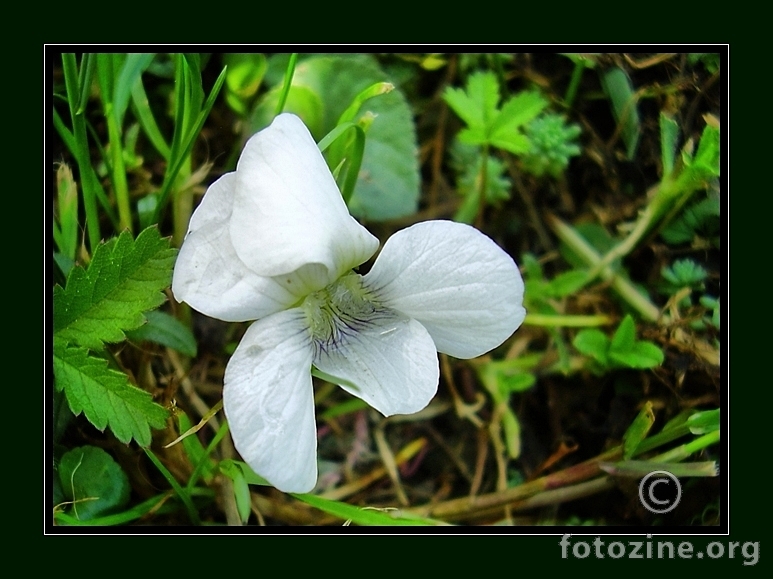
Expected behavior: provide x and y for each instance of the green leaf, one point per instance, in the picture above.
(517, 112)
(249, 475)
(62, 415)
(165, 330)
(388, 181)
(626, 351)
(553, 144)
(124, 279)
(141, 109)
(157, 505)
(642, 355)
(194, 450)
(502, 377)
(183, 494)
(245, 73)
(347, 407)
(301, 100)
(476, 105)
(593, 343)
(704, 422)
(133, 67)
(105, 396)
(669, 133)
(93, 481)
(701, 218)
(532, 267)
(638, 430)
(66, 227)
(567, 283)
(364, 516)
(473, 136)
(466, 161)
(185, 133)
(705, 164)
(512, 142)
(683, 273)
(241, 489)
(618, 88)
(625, 335)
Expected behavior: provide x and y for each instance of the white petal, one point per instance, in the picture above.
(288, 211)
(388, 361)
(210, 277)
(457, 282)
(269, 401)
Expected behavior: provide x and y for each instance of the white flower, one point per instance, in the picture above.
(274, 242)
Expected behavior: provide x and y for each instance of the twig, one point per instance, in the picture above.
(185, 382)
(389, 463)
(406, 453)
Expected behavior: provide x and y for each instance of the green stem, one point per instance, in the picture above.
(182, 203)
(590, 256)
(574, 83)
(662, 438)
(106, 64)
(118, 170)
(688, 449)
(564, 321)
(182, 493)
(181, 148)
(287, 82)
(483, 185)
(157, 505)
(200, 466)
(88, 178)
(639, 468)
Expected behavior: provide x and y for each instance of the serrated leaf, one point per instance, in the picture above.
(472, 136)
(463, 106)
(93, 481)
(476, 104)
(124, 279)
(105, 396)
(483, 90)
(512, 142)
(165, 330)
(517, 112)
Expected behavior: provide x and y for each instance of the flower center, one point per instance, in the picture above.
(339, 311)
